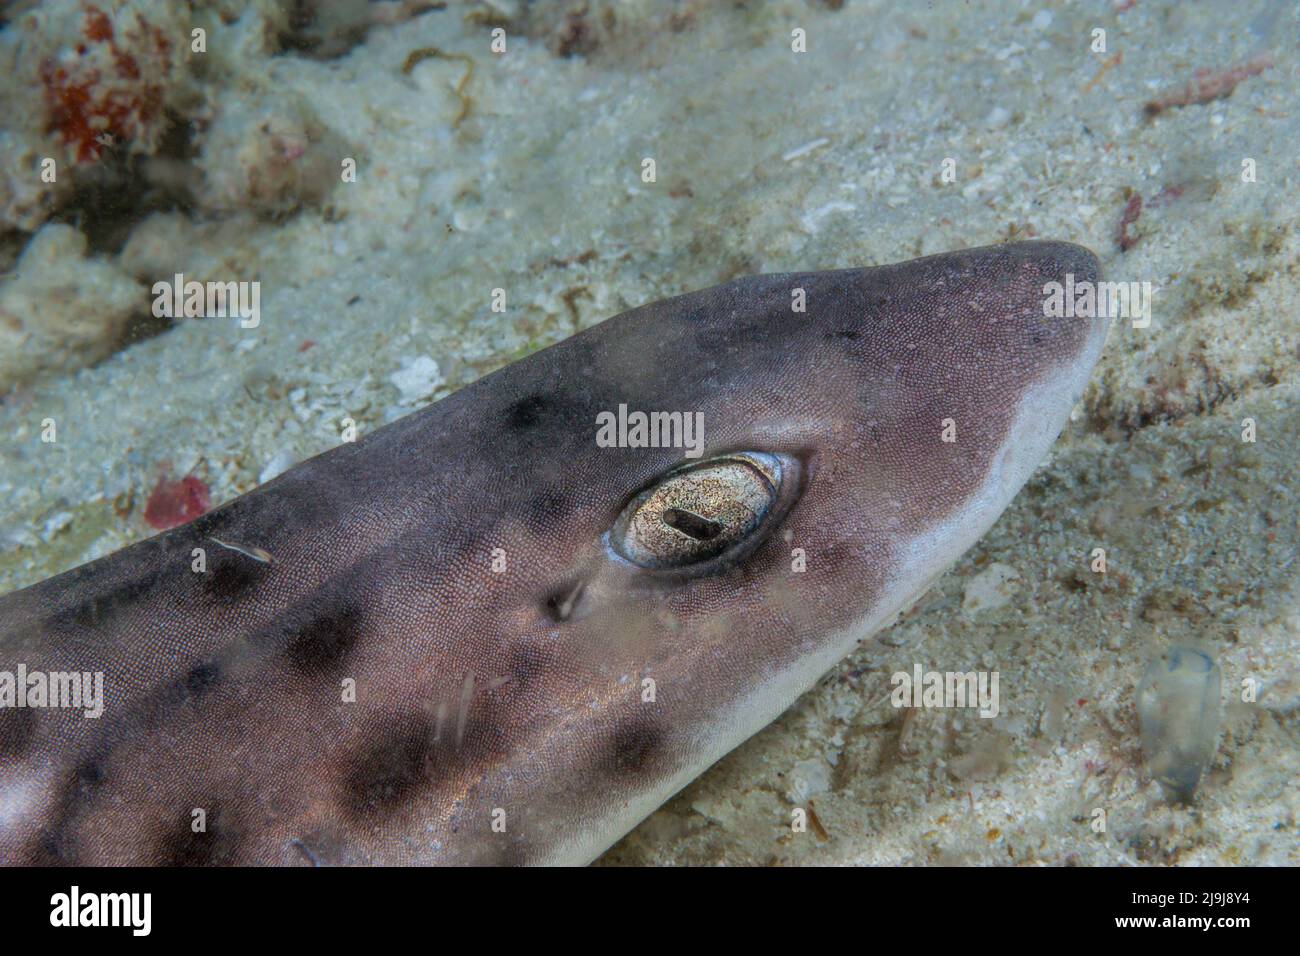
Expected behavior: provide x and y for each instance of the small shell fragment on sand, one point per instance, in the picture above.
(805, 149)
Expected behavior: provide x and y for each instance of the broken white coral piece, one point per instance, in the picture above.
(990, 589)
(61, 310)
(417, 378)
(269, 154)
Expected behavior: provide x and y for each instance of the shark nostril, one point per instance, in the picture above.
(689, 523)
(562, 604)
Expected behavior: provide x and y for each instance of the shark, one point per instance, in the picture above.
(480, 636)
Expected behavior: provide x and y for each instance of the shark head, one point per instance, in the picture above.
(860, 430)
(507, 627)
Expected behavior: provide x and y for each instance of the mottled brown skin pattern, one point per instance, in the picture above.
(224, 688)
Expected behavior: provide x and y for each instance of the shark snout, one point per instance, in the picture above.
(968, 372)
(1072, 302)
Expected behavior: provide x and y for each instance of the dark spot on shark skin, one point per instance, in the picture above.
(79, 575)
(97, 610)
(317, 636)
(90, 773)
(527, 413)
(545, 506)
(17, 729)
(230, 575)
(385, 775)
(762, 332)
(637, 746)
(553, 419)
(405, 758)
(50, 849)
(216, 845)
(202, 678)
(56, 845)
(323, 641)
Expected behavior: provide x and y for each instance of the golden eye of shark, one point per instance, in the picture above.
(701, 512)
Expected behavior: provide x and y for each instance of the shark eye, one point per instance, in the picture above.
(701, 511)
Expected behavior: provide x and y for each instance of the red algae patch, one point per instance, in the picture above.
(173, 502)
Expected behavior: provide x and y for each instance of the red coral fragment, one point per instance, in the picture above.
(174, 502)
(1209, 85)
(98, 25)
(85, 104)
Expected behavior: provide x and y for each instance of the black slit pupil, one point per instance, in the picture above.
(688, 523)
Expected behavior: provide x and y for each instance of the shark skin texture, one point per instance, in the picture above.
(534, 672)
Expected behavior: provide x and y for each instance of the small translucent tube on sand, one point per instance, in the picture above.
(1178, 707)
